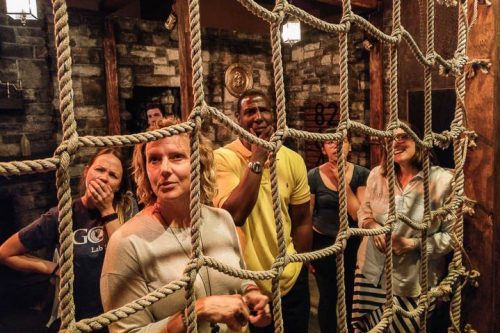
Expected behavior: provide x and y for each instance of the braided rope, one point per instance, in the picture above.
(461, 138)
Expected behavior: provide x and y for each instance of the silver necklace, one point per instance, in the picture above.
(208, 291)
(215, 328)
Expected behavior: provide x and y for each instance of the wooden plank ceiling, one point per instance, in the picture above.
(161, 8)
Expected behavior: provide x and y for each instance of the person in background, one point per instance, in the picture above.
(324, 182)
(103, 206)
(244, 190)
(369, 294)
(154, 248)
(154, 113)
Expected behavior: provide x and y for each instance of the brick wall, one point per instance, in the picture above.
(24, 55)
(147, 55)
(312, 76)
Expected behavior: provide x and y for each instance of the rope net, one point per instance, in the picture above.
(430, 60)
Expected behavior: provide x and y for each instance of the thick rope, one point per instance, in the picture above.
(461, 138)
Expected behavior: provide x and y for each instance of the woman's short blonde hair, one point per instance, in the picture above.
(145, 193)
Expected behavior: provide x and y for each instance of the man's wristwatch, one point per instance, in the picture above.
(255, 167)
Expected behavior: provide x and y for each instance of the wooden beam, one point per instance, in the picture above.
(185, 64)
(482, 232)
(376, 67)
(111, 6)
(366, 4)
(376, 100)
(112, 101)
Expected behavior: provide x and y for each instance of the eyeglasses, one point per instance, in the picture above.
(401, 137)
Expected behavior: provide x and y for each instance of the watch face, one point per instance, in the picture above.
(255, 167)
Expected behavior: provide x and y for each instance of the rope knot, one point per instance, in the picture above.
(447, 3)
(458, 63)
(398, 34)
(198, 112)
(473, 277)
(193, 265)
(431, 57)
(277, 139)
(66, 151)
(468, 329)
(445, 143)
(468, 206)
(279, 264)
(471, 138)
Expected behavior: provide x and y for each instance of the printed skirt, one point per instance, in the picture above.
(368, 308)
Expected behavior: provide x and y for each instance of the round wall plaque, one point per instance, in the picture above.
(238, 78)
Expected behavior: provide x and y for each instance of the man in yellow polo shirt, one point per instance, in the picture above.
(244, 189)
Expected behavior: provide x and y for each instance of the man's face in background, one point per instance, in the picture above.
(153, 115)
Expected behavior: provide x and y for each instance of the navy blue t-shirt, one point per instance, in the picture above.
(326, 206)
(88, 244)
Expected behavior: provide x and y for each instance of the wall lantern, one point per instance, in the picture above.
(291, 31)
(22, 10)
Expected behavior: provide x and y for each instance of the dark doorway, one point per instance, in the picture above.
(443, 109)
(168, 98)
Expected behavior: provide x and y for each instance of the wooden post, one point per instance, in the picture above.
(376, 101)
(112, 102)
(482, 182)
(376, 66)
(185, 64)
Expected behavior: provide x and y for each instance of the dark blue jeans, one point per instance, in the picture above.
(295, 307)
(326, 278)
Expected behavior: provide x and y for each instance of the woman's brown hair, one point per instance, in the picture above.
(145, 193)
(122, 200)
(417, 160)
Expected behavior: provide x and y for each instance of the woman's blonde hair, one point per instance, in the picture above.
(145, 193)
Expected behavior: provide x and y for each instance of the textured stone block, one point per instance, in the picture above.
(164, 70)
(309, 54)
(15, 50)
(87, 70)
(125, 77)
(7, 34)
(93, 91)
(298, 54)
(311, 47)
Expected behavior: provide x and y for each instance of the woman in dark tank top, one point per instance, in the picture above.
(324, 184)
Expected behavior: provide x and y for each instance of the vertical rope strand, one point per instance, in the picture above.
(343, 123)
(456, 302)
(70, 142)
(280, 128)
(195, 33)
(423, 300)
(195, 204)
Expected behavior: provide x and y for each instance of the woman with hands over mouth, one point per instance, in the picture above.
(154, 248)
(102, 208)
(369, 293)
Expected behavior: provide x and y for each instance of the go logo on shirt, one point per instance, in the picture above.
(93, 236)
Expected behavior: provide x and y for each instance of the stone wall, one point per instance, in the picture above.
(24, 55)
(313, 74)
(147, 55)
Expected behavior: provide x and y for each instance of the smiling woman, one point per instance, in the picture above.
(155, 247)
(369, 295)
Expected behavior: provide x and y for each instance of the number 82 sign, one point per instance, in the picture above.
(318, 118)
